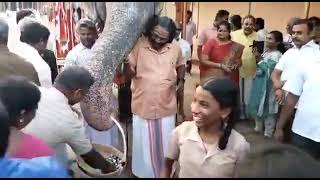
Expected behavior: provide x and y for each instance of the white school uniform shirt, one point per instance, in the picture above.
(58, 124)
(305, 82)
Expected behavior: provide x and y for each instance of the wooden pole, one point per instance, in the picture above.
(198, 13)
(192, 9)
(249, 8)
(306, 9)
(184, 20)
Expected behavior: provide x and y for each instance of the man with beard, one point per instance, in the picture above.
(287, 66)
(246, 36)
(157, 71)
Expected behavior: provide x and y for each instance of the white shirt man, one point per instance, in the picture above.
(77, 55)
(29, 53)
(58, 124)
(305, 82)
(191, 30)
(290, 58)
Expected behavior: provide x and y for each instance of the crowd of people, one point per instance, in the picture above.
(246, 73)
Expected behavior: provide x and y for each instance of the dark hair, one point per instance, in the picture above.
(306, 22)
(249, 17)
(279, 38)
(86, 23)
(189, 12)
(226, 93)
(227, 25)
(163, 21)
(236, 21)
(4, 130)
(4, 31)
(75, 77)
(34, 32)
(17, 93)
(315, 21)
(221, 13)
(273, 160)
(23, 13)
(260, 23)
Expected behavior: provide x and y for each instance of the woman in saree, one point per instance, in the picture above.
(221, 56)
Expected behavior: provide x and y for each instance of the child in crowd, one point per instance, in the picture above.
(208, 146)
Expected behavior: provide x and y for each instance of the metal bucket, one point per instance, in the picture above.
(86, 171)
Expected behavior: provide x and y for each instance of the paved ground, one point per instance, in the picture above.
(244, 127)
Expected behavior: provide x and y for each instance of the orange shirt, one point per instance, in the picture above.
(154, 85)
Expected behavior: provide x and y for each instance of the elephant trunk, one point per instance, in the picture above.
(124, 25)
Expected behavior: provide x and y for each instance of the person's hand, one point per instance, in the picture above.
(234, 67)
(225, 68)
(256, 54)
(279, 96)
(278, 135)
(277, 85)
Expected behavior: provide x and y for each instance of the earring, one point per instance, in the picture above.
(225, 125)
(21, 120)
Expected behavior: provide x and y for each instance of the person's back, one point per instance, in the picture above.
(33, 38)
(58, 123)
(27, 148)
(12, 64)
(49, 57)
(54, 121)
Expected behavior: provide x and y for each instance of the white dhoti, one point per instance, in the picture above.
(150, 144)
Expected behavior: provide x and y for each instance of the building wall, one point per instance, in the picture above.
(276, 14)
(314, 9)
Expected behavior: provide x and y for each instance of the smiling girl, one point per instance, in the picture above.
(208, 146)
